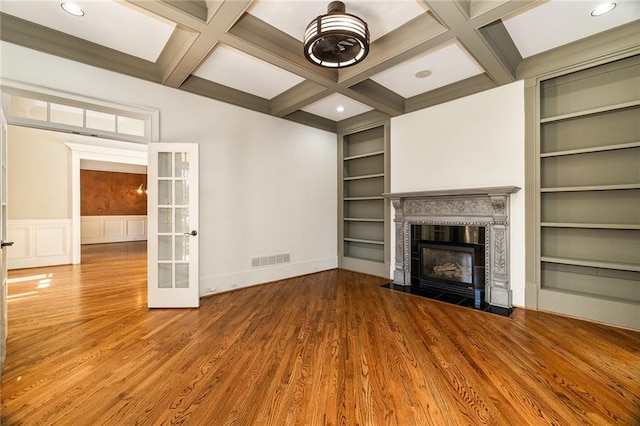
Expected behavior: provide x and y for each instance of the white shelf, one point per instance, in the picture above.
(592, 263)
(360, 240)
(588, 112)
(589, 150)
(373, 176)
(368, 154)
(589, 225)
(592, 188)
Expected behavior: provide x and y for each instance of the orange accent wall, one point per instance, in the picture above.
(111, 193)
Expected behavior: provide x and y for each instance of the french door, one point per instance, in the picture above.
(173, 225)
(3, 237)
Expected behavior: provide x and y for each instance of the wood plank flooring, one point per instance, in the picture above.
(324, 349)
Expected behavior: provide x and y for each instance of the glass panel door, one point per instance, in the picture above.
(4, 244)
(173, 224)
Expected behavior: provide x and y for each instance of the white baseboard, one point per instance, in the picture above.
(39, 242)
(112, 229)
(221, 283)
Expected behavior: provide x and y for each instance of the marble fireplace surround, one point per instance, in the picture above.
(488, 207)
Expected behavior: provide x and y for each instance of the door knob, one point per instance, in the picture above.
(4, 244)
(192, 233)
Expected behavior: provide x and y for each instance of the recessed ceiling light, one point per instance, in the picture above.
(340, 109)
(423, 73)
(603, 8)
(72, 9)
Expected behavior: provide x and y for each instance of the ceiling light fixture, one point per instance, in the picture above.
(72, 9)
(337, 39)
(603, 8)
(340, 108)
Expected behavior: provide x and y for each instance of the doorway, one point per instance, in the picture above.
(44, 191)
(111, 152)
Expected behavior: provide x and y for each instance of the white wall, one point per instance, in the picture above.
(477, 141)
(267, 186)
(39, 176)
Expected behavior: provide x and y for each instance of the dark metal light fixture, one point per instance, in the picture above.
(337, 39)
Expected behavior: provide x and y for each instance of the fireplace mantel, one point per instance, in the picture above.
(488, 207)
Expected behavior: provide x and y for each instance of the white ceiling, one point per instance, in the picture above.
(559, 22)
(292, 17)
(447, 64)
(119, 26)
(337, 107)
(232, 68)
(250, 52)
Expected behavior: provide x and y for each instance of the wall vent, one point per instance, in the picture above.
(274, 259)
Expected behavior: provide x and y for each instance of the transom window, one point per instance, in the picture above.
(70, 113)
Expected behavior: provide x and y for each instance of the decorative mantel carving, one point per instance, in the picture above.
(488, 207)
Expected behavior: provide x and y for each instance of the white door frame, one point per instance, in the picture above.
(109, 151)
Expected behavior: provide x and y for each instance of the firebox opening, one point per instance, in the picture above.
(444, 262)
(449, 259)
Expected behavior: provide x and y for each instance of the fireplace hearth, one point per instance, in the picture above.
(454, 243)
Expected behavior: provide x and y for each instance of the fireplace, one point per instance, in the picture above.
(456, 241)
(450, 259)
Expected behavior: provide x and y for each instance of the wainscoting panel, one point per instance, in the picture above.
(52, 240)
(39, 242)
(137, 227)
(113, 229)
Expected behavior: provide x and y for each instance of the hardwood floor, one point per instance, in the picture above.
(324, 349)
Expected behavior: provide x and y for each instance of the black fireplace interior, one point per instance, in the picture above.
(448, 264)
(449, 258)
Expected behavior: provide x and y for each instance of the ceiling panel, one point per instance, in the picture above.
(232, 68)
(337, 107)
(119, 26)
(292, 17)
(446, 65)
(558, 22)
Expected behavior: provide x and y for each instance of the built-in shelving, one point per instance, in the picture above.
(592, 149)
(593, 111)
(592, 188)
(361, 219)
(373, 176)
(592, 264)
(588, 189)
(359, 240)
(368, 154)
(590, 225)
(364, 211)
(362, 198)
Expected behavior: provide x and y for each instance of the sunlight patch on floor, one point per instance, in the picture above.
(30, 278)
(43, 281)
(15, 297)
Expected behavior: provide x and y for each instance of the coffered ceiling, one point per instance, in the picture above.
(249, 53)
